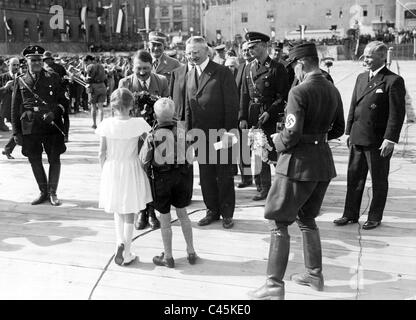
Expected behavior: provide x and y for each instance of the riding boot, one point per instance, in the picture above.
(54, 172)
(312, 253)
(274, 288)
(154, 223)
(40, 176)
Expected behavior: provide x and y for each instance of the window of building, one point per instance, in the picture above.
(164, 11)
(379, 10)
(164, 26)
(177, 13)
(177, 26)
(244, 17)
(365, 11)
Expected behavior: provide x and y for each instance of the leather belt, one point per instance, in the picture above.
(314, 138)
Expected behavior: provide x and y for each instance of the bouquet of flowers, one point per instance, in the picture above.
(143, 106)
(259, 144)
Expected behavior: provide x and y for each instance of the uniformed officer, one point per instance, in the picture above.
(162, 63)
(314, 115)
(38, 104)
(219, 54)
(264, 92)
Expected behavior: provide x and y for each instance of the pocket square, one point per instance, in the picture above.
(379, 91)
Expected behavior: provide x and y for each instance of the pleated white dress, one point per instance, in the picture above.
(124, 186)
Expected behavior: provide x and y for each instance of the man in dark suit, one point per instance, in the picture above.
(212, 105)
(264, 92)
(314, 115)
(245, 168)
(143, 79)
(374, 122)
(177, 90)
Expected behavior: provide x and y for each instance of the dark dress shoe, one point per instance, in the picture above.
(244, 184)
(227, 223)
(142, 221)
(208, 220)
(8, 155)
(368, 225)
(344, 221)
(43, 197)
(261, 196)
(192, 258)
(119, 255)
(154, 223)
(163, 262)
(53, 199)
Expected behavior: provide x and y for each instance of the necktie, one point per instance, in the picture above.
(196, 76)
(144, 86)
(155, 64)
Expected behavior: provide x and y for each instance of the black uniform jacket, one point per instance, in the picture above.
(314, 110)
(377, 109)
(49, 88)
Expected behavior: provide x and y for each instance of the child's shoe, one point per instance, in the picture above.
(119, 255)
(162, 261)
(129, 259)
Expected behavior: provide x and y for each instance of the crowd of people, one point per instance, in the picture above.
(207, 103)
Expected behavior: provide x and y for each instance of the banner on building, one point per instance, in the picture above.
(147, 18)
(7, 25)
(83, 17)
(120, 20)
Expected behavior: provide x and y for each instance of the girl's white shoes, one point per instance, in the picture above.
(130, 258)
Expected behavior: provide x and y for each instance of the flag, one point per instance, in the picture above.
(6, 24)
(83, 17)
(205, 5)
(119, 20)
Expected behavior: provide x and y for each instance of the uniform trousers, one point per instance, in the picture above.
(291, 200)
(361, 160)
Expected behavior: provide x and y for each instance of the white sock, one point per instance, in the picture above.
(119, 229)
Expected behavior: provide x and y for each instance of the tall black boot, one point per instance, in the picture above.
(54, 172)
(274, 288)
(40, 176)
(312, 253)
(154, 223)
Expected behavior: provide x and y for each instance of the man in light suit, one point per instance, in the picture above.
(374, 122)
(143, 79)
(162, 63)
(212, 104)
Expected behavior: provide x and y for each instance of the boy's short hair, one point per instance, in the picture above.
(121, 98)
(164, 109)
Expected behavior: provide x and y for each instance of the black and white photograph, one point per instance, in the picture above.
(207, 154)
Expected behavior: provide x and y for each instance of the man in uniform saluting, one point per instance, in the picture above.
(265, 86)
(314, 115)
(38, 104)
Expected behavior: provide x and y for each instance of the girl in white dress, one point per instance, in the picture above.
(124, 187)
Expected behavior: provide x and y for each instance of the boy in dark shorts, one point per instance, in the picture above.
(163, 156)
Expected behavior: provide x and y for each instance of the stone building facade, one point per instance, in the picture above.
(280, 18)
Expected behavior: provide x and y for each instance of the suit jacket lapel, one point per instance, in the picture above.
(162, 63)
(206, 75)
(154, 85)
(371, 85)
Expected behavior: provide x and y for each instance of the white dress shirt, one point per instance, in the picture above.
(147, 83)
(374, 73)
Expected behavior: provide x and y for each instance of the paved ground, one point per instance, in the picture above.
(66, 252)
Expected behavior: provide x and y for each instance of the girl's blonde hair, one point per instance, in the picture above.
(122, 99)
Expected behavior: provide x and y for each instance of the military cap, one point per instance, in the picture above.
(22, 62)
(157, 37)
(33, 51)
(256, 37)
(47, 55)
(302, 50)
(220, 47)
